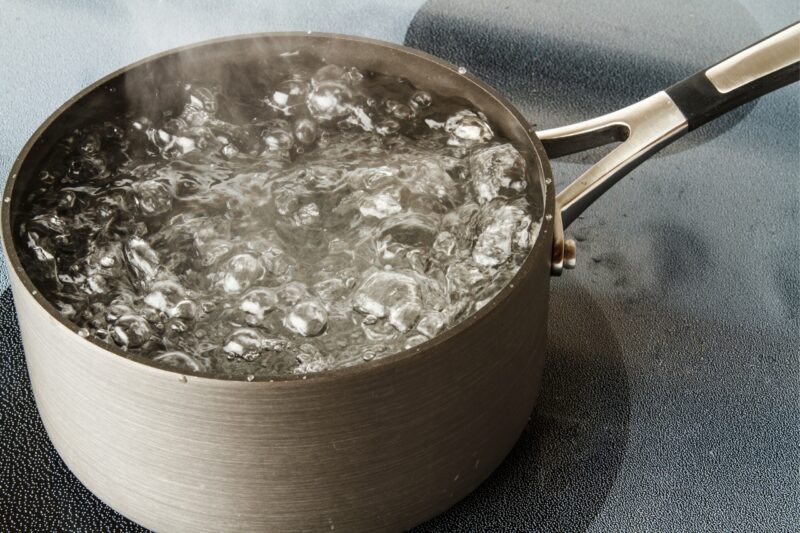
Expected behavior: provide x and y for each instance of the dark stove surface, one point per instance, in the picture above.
(670, 394)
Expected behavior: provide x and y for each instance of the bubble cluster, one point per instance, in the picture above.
(327, 217)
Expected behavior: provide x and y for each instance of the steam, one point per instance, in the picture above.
(55, 56)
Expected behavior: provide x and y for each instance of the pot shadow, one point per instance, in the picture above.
(37, 490)
(558, 475)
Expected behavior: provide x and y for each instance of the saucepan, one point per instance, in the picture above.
(375, 447)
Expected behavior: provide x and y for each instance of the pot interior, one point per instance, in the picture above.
(242, 65)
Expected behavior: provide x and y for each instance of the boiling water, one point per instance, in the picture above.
(335, 218)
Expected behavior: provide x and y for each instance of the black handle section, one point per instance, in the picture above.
(700, 101)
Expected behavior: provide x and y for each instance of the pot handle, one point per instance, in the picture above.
(647, 126)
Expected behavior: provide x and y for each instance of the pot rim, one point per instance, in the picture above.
(424, 349)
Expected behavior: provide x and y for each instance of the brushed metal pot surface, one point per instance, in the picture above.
(377, 447)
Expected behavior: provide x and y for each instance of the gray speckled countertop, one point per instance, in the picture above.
(670, 398)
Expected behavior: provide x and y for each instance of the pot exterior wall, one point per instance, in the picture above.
(380, 449)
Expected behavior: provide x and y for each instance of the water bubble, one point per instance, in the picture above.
(67, 201)
(401, 112)
(116, 310)
(312, 360)
(305, 131)
(171, 146)
(357, 117)
(307, 318)
(444, 245)
(404, 315)
(258, 302)
(307, 215)
(380, 205)
(389, 294)
(107, 261)
(229, 151)
(36, 245)
(428, 178)
(371, 178)
(67, 310)
(184, 309)
(466, 127)
(280, 98)
(415, 340)
(141, 258)
(292, 293)
(86, 169)
(241, 271)
(194, 114)
(154, 197)
(155, 317)
(175, 126)
(328, 72)
(46, 178)
(278, 138)
(113, 132)
(410, 229)
(131, 331)
(432, 324)
(387, 126)
(288, 96)
(203, 98)
(245, 343)
(353, 76)
(97, 284)
(213, 251)
(501, 227)
(463, 279)
(497, 170)
(421, 99)
(90, 144)
(178, 359)
(328, 99)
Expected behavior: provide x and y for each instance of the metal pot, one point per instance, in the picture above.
(376, 447)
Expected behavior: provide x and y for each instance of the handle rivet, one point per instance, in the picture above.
(570, 254)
